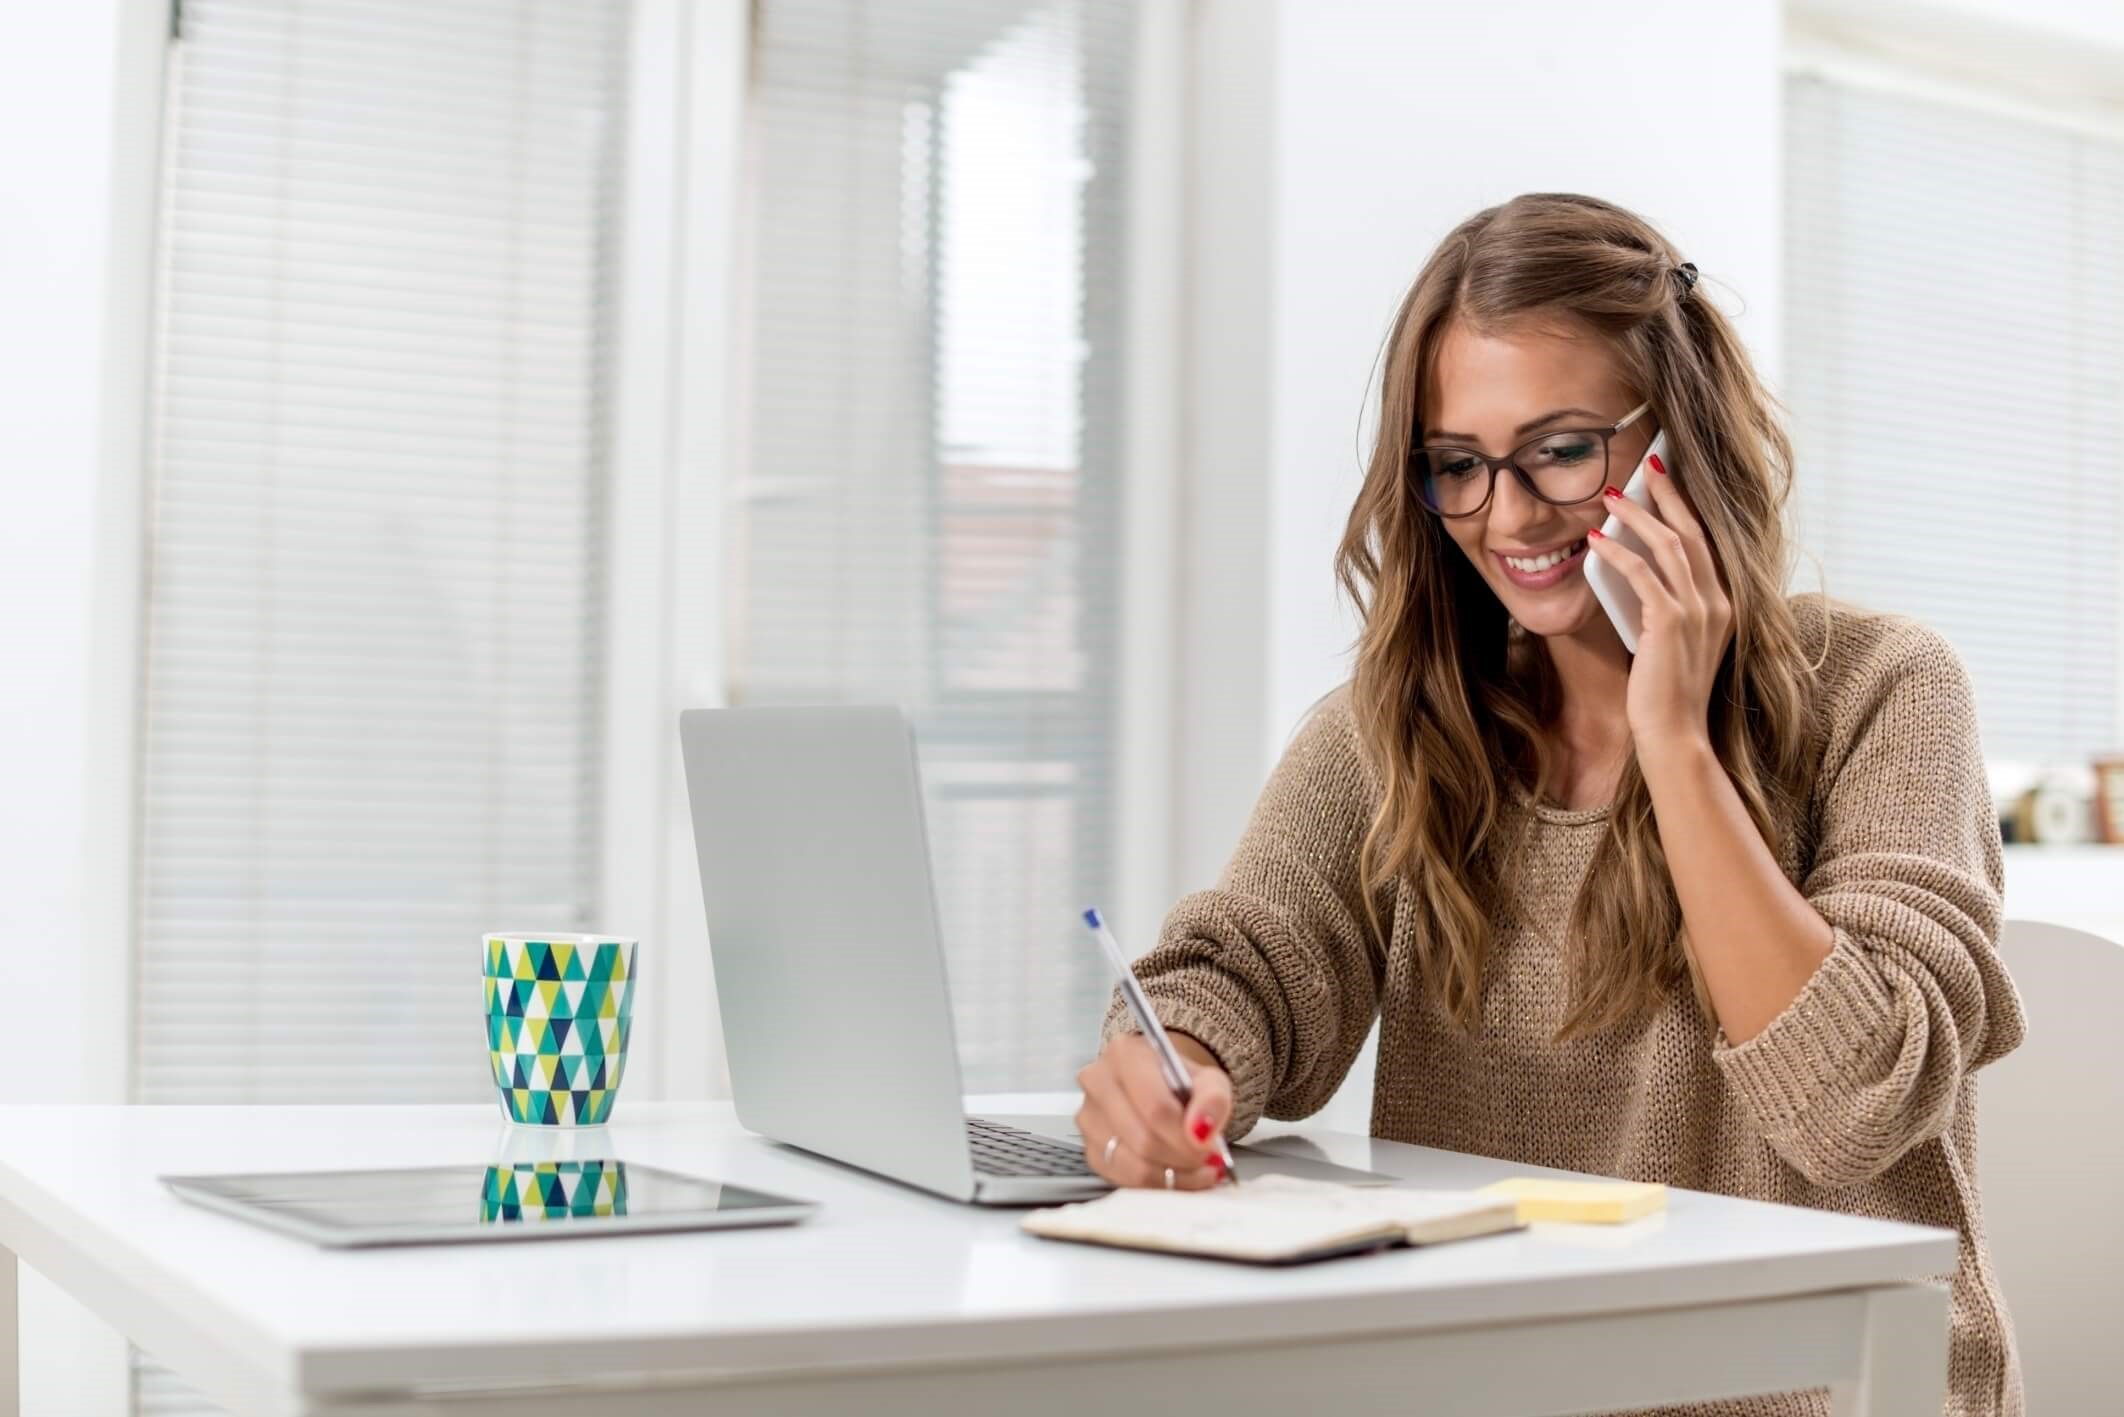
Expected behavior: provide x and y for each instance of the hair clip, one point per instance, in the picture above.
(1686, 273)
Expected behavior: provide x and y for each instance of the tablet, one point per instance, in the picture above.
(528, 1200)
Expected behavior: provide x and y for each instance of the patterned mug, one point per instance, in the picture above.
(559, 1010)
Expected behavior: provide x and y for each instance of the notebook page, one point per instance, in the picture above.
(1410, 1208)
(1273, 1217)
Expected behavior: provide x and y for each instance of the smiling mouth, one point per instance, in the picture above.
(1543, 570)
(1538, 565)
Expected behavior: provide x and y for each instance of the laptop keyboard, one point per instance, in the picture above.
(999, 1150)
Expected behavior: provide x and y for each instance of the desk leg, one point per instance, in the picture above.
(1903, 1364)
(10, 1336)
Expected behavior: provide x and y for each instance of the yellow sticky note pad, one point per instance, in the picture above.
(1581, 1202)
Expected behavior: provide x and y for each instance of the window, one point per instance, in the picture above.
(1955, 350)
(373, 624)
(928, 510)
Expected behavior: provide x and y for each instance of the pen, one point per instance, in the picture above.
(1139, 1004)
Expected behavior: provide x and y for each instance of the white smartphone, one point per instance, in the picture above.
(1610, 587)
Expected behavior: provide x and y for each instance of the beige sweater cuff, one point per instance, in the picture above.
(1836, 1030)
(1189, 1006)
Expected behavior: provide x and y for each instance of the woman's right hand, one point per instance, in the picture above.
(1134, 1128)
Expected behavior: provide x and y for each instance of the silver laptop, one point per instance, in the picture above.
(829, 969)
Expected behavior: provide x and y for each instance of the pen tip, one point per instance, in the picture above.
(1091, 918)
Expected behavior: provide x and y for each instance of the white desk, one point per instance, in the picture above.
(891, 1302)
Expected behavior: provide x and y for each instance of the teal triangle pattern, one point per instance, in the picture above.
(552, 1190)
(555, 1062)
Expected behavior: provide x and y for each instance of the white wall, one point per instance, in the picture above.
(80, 87)
(1385, 126)
(671, 389)
(78, 94)
(1223, 533)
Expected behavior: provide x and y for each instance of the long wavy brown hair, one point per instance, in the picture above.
(1451, 699)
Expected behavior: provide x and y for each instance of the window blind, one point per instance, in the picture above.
(927, 507)
(1955, 347)
(372, 639)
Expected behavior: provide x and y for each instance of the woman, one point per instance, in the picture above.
(1723, 914)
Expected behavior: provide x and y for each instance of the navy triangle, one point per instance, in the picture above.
(559, 1028)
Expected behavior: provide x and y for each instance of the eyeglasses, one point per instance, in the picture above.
(1561, 468)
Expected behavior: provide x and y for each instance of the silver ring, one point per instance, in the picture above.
(1112, 1145)
(1168, 1178)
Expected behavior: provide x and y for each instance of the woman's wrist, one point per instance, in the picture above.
(1677, 757)
(1195, 1050)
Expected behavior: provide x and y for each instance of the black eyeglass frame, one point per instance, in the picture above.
(1511, 460)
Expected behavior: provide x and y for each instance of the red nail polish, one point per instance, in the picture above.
(1596, 535)
(1657, 466)
(1214, 1160)
(1201, 1129)
(1611, 492)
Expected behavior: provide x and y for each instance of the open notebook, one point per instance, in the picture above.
(1276, 1219)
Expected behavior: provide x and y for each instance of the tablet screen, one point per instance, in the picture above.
(472, 1202)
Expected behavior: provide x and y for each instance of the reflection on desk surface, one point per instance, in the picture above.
(552, 1190)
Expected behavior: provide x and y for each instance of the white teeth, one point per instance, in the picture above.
(1543, 563)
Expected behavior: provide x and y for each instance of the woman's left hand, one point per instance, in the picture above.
(1687, 617)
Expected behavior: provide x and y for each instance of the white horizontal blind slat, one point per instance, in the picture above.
(928, 503)
(1955, 332)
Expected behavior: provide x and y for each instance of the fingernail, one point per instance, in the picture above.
(1201, 1128)
(1611, 492)
(1215, 1161)
(1657, 465)
(1595, 533)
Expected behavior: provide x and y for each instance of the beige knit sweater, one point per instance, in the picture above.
(1860, 1097)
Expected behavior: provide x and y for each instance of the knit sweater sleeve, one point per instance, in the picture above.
(1276, 970)
(1867, 1061)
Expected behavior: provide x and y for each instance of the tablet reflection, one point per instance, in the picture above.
(553, 1190)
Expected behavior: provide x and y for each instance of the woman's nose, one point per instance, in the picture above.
(1511, 504)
